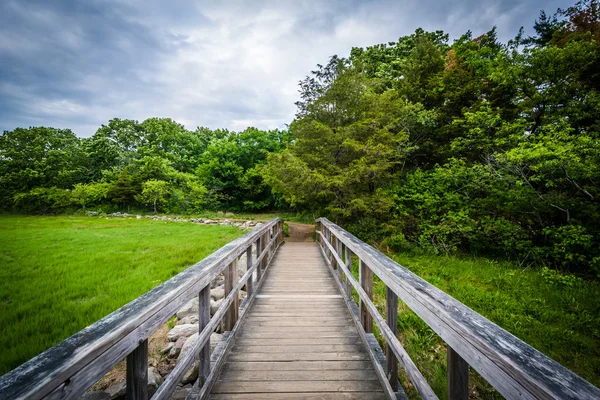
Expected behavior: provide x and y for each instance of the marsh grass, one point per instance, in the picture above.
(61, 274)
(560, 320)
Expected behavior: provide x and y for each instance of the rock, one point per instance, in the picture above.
(96, 395)
(215, 338)
(217, 293)
(191, 308)
(210, 221)
(178, 331)
(164, 218)
(154, 381)
(92, 214)
(190, 319)
(214, 306)
(138, 217)
(258, 225)
(181, 392)
(191, 375)
(117, 390)
(176, 349)
(167, 348)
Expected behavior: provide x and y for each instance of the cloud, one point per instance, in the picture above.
(230, 64)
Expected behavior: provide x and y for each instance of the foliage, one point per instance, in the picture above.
(557, 314)
(153, 191)
(477, 146)
(47, 170)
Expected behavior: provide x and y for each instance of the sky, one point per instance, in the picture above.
(220, 64)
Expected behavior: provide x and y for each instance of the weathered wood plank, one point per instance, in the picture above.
(341, 340)
(203, 321)
(392, 321)
(295, 386)
(231, 277)
(457, 376)
(328, 348)
(513, 367)
(366, 282)
(302, 396)
(335, 375)
(137, 373)
(409, 366)
(287, 356)
(296, 365)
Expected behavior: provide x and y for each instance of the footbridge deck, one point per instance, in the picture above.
(297, 334)
(298, 340)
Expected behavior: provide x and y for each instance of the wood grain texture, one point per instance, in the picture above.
(457, 376)
(513, 367)
(298, 338)
(137, 373)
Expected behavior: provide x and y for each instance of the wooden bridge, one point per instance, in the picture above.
(297, 334)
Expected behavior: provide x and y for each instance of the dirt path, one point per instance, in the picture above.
(300, 232)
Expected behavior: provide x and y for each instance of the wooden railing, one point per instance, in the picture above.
(514, 368)
(68, 369)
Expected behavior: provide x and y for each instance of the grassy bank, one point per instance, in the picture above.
(60, 274)
(559, 317)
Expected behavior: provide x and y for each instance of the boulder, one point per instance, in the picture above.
(190, 319)
(178, 331)
(154, 381)
(176, 349)
(191, 375)
(181, 392)
(191, 308)
(167, 348)
(117, 390)
(214, 306)
(217, 293)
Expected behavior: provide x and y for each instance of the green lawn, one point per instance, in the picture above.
(561, 321)
(60, 274)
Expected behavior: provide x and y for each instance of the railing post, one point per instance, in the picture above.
(258, 251)
(137, 372)
(349, 268)
(250, 281)
(457, 376)
(366, 282)
(231, 278)
(203, 320)
(392, 322)
(332, 240)
(338, 250)
(264, 244)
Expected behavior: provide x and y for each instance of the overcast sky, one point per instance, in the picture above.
(221, 64)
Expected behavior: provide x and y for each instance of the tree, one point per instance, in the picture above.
(38, 157)
(83, 194)
(153, 192)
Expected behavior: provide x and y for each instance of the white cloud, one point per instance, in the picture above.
(217, 64)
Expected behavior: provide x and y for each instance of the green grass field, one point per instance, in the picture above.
(560, 320)
(60, 274)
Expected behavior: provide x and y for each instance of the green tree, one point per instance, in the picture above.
(153, 192)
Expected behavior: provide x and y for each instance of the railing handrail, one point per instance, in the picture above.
(67, 369)
(513, 367)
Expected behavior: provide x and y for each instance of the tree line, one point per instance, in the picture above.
(476, 146)
(156, 165)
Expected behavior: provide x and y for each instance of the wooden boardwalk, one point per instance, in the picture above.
(298, 340)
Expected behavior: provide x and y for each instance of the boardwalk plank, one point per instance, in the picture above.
(299, 340)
